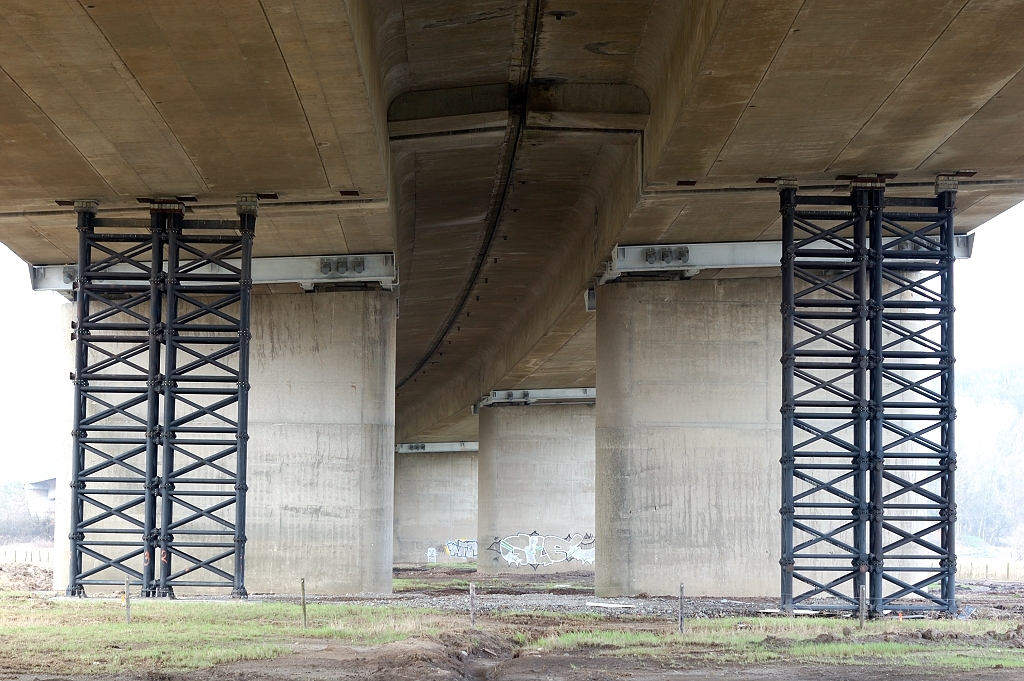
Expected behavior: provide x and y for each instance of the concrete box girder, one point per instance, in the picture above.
(128, 99)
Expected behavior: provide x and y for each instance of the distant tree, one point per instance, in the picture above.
(17, 524)
(990, 449)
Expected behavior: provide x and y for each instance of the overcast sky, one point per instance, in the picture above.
(34, 387)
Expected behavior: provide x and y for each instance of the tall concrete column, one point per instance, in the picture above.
(435, 507)
(321, 443)
(688, 437)
(536, 488)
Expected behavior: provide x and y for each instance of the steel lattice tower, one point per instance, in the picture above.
(867, 419)
(161, 400)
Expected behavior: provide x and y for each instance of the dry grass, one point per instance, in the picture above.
(76, 636)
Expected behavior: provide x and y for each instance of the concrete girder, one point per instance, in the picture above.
(185, 98)
(535, 270)
(142, 100)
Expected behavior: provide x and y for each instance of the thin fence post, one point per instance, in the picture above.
(302, 589)
(862, 606)
(127, 602)
(680, 608)
(472, 604)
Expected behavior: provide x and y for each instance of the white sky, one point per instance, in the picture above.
(34, 385)
(35, 401)
(989, 297)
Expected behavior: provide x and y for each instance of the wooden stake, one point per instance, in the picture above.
(680, 608)
(127, 602)
(863, 604)
(472, 604)
(302, 588)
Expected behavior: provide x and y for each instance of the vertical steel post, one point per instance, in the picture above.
(153, 384)
(247, 208)
(947, 205)
(861, 461)
(173, 231)
(877, 453)
(86, 211)
(787, 201)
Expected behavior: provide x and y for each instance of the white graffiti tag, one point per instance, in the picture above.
(462, 548)
(538, 550)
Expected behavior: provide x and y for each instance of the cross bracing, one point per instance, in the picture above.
(161, 401)
(868, 449)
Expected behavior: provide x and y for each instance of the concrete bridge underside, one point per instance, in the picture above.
(500, 150)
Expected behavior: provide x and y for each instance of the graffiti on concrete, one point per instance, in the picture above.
(456, 548)
(461, 548)
(538, 550)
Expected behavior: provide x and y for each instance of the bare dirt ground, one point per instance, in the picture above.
(509, 612)
(468, 656)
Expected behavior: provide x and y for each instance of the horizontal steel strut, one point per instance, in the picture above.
(306, 271)
(689, 259)
(431, 447)
(539, 396)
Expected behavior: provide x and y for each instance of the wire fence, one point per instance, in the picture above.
(33, 556)
(991, 569)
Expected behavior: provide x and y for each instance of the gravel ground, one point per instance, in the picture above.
(445, 589)
(525, 602)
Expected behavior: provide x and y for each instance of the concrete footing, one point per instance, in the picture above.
(536, 488)
(688, 437)
(322, 443)
(435, 507)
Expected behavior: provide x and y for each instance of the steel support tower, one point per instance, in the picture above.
(867, 418)
(161, 400)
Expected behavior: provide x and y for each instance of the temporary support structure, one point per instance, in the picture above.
(161, 400)
(867, 417)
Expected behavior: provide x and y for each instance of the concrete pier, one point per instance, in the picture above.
(536, 488)
(322, 443)
(435, 507)
(688, 437)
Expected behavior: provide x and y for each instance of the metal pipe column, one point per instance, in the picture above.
(787, 198)
(861, 461)
(86, 211)
(153, 382)
(167, 435)
(877, 449)
(947, 204)
(247, 208)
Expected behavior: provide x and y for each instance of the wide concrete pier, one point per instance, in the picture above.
(435, 507)
(536, 488)
(322, 442)
(688, 437)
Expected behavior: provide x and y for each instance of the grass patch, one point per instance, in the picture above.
(400, 584)
(83, 636)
